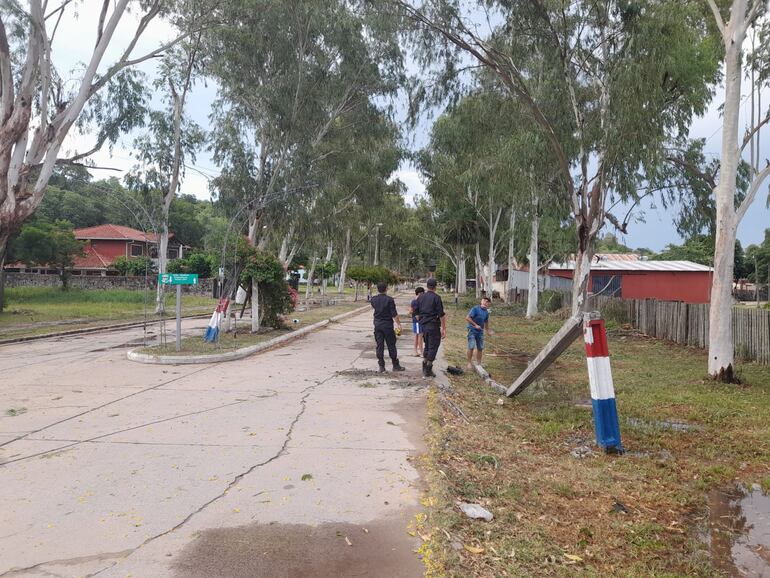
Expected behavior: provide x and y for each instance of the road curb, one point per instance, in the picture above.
(101, 328)
(134, 355)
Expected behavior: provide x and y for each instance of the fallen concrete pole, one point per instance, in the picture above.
(569, 332)
(484, 374)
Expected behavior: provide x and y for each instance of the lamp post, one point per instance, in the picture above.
(377, 245)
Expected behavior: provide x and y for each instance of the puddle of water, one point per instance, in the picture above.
(738, 532)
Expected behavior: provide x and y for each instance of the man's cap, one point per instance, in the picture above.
(431, 282)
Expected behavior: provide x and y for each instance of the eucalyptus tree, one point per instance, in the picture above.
(171, 137)
(39, 105)
(630, 75)
(733, 26)
(288, 72)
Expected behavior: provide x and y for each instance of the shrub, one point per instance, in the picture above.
(550, 300)
(275, 295)
(135, 266)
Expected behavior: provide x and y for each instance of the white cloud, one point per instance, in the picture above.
(408, 175)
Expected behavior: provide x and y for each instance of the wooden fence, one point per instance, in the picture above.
(688, 323)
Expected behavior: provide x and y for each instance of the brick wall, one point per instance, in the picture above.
(204, 286)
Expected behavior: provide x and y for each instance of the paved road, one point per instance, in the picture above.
(295, 462)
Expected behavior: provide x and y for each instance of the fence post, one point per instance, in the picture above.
(600, 379)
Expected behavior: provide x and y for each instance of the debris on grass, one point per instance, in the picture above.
(475, 511)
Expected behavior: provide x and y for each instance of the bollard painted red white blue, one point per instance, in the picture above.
(602, 390)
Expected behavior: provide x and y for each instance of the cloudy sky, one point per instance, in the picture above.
(653, 227)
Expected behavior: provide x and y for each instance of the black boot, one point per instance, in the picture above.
(397, 366)
(429, 369)
(382, 368)
(424, 368)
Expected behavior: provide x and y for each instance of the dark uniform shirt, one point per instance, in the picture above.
(430, 308)
(384, 310)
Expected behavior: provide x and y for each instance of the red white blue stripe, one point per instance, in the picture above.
(212, 330)
(602, 389)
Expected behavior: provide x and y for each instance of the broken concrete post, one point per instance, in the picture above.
(569, 332)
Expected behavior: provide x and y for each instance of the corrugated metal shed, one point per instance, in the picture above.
(613, 265)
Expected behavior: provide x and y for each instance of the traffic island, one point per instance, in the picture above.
(263, 342)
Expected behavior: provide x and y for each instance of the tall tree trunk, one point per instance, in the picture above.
(254, 306)
(582, 273)
(479, 270)
(309, 288)
(160, 301)
(345, 261)
(377, 248)
(283, 254)
(533, 286)
(3, 252)
(511, 247)
(494, 222)
(458, 271)
(324, 281)
(462, 270)
(720, 360)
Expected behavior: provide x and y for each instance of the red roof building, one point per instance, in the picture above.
(629, 278)
(104, 244)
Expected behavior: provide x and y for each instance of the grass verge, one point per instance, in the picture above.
(39, 310)
(556, 515)
(243, 338)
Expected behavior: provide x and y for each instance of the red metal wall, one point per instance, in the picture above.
(687, 286)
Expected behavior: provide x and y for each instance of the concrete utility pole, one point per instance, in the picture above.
(756, 280)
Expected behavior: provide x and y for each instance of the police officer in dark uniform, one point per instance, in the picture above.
(432, 319)
(385, 315)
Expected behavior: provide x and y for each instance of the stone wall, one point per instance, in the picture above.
(96, 282)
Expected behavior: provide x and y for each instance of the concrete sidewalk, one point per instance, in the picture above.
(295, 462)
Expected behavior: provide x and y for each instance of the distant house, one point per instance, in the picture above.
(104, 244)
(630, 276)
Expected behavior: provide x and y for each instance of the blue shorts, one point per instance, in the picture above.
(475, 340)
(416, 328)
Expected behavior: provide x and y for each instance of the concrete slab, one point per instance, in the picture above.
(260, 467)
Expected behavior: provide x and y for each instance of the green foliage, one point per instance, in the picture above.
(550, 300)
(445, 272)
(610, 244)
(136, 266)
(757, 261)
(47, 244)
(372, 275)
(266, 271)
(203, 264)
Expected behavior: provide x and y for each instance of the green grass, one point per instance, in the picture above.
(548, 504)
(242, 337)
(36, 310)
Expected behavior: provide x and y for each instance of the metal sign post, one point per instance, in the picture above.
(178, 279)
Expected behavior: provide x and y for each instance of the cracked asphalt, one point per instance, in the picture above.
(295, 462)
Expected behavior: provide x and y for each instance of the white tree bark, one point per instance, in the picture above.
(254, 306)
(462, 272)
(345, 261)
(494, 222)
(479, 271)
(721, 347)
(533, 286)
(511, 259)
(309, 288)
(324, 281)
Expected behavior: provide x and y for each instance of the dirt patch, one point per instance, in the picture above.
(382, 548)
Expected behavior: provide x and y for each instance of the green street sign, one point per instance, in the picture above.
(178, 278)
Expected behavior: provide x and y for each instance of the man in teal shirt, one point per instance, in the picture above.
(478, 320)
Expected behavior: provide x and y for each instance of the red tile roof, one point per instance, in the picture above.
(91, 259)
(116, 232)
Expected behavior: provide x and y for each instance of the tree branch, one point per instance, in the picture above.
(755, 185)
(750, 134)
(718, 18)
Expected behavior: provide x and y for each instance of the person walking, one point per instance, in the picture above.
(385, 315)
(478, 321)
(432, 320)
(415, 324)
